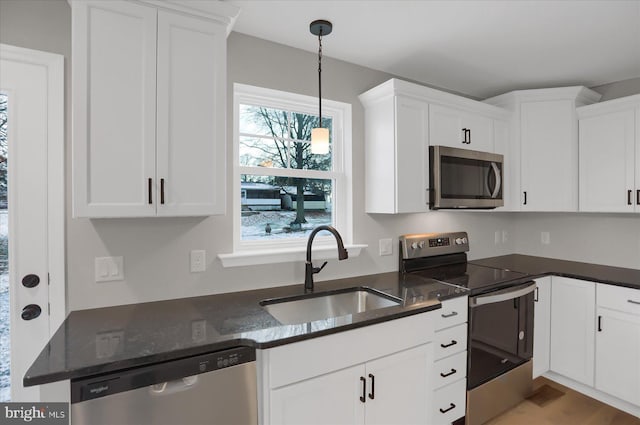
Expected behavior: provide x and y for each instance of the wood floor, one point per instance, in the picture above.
(568, 409)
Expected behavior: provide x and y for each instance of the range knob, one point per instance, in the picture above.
(421, 244)
(459, 241)
(465, 241)
(414, 245)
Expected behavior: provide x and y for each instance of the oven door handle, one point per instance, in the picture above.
(502, 296)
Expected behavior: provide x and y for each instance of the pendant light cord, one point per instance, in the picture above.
(320, 77)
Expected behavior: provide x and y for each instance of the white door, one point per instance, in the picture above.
(412, 155)
(398, 388)
(549, 152)
(190, 129)
(114, 109)
(333, 398)
(607, 162)
(541, 326)
(446, 127)
(618, 355)
(573, 315)
(32, 83)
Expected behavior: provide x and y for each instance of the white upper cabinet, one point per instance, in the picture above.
(610, 156)
(401, 121)
(460, 129)
(544, 146)
(148, 111)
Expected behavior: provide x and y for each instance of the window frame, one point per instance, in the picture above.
(341, 165)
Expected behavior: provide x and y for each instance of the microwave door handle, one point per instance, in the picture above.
(496, 171)
(504, 296)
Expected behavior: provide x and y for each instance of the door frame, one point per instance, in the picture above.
(56, 200)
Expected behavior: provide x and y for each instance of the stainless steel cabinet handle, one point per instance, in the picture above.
(634, 302)
(446, 316)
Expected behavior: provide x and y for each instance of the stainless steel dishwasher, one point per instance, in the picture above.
(217, 388)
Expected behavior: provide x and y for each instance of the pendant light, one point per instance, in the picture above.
(320, 135)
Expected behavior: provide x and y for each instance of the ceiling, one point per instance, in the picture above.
(477, 47)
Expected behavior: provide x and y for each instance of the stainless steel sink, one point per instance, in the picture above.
(311, 307)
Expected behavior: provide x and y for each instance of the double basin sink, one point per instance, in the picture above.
(322, 306)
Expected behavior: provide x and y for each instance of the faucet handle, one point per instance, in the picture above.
(319, 269)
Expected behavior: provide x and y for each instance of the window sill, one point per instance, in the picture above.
(285, 255)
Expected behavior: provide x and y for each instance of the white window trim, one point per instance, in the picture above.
(264, 252)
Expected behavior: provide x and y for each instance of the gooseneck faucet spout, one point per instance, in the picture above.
(309, 270)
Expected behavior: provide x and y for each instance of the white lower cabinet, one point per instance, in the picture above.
(542, 326)
(379, 374)
(618, 342)
(573, 328)
(450, 367)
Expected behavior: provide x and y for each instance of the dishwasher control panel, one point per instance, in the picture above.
(159, 375)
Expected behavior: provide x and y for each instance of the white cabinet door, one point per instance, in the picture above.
(542, 326)
(398, 391)
(573, 328)
(191, 126)
(549, 156)
(607, 162)
(114, 108)
(412, 155)
(333, 398)
(459, 129)
(618, 355)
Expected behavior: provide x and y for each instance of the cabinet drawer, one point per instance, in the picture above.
(453, 312)
(450, 341)
(449, 370)
(618, 298)
(450, 402)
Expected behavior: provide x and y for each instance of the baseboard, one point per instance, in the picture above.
(631, 409)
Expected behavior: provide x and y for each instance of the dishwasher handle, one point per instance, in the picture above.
(504, 295)
(175, 386)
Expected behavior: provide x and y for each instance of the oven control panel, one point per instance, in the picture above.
(432, 244)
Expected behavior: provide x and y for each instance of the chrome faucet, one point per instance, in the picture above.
(309, 270)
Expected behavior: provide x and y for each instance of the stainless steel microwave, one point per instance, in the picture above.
(462, 178)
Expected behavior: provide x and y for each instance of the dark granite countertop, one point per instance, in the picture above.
(96, 341)
(542, 266)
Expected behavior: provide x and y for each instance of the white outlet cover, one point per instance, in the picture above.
(386, 246)
(545, 238)
(198, 261)
(109, 269)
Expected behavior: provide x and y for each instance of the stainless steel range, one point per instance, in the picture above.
(499, 367)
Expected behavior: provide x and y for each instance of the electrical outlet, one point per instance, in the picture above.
(199, 330)
(545, 238)
(385, 246)
(198, 260)
(109, 269)
(497, 238)
(505, 236)
(108, 344)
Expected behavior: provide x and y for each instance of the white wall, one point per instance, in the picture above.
(611, 239)
(156, 251)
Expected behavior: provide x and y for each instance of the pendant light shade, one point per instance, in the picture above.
(320, 135)
(320, 141)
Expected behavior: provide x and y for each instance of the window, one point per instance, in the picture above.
(282, 191)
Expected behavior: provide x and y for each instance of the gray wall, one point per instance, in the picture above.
(156, 251)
